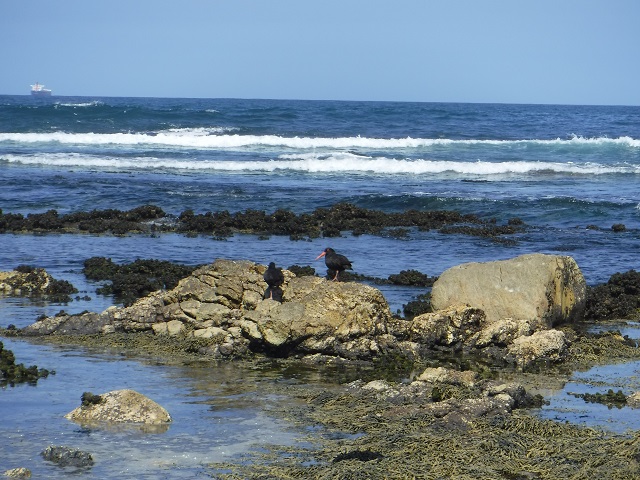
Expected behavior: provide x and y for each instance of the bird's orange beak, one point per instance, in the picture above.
(321, 255)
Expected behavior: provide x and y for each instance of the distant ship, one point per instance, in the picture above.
(38, 90)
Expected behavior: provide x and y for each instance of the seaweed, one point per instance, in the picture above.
(130, 282)
(12, 373)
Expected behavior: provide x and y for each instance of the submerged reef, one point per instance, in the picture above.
(322, 222)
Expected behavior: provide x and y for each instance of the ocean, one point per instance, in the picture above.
(568, 172)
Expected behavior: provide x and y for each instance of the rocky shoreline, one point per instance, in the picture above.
(441, 395)
(394, 428)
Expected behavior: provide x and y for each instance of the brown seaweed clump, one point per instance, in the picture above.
(96, 221)
(135, 280)
(89, 399)
(12, 373)
(610, 398)
(360, 437)
(618, 298)
(322, 222)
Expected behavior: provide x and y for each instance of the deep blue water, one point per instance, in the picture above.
(558, 168)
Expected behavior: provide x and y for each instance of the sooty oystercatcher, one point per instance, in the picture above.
(335, 262)
(274, 278)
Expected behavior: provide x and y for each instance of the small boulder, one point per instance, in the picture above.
(547, 345)
(466, 378)
(18, 473)
(449, 326)
(120, 406)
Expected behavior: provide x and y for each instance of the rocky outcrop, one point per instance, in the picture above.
(451, 326)
(633, 400)
(119, 406)
(221, 309)
(547, 345)
(535, 291)
(27, 280)
(223, 306)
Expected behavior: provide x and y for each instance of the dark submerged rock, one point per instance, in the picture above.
(422, 304)
(67, 457)
(611, 399)
(89, 398)
(412, 278)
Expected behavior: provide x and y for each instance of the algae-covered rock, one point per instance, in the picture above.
(27, 280)
(20, 472)
(67, 457)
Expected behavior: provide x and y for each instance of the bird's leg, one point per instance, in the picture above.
(335, 278)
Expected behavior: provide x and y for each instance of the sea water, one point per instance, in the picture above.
(569, 172)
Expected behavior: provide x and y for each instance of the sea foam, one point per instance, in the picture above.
(339, 163)
(211, 138)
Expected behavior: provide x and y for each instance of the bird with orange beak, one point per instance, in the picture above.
(335, 262)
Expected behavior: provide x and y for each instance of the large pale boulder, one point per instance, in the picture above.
(540, 290)
(121, 406)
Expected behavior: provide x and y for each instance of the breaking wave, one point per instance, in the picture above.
(215, 138)
(335, 163)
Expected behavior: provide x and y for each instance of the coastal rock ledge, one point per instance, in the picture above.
(221, 309)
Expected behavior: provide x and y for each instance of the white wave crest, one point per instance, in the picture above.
(94, 103)
(211, 138)
(340, 163)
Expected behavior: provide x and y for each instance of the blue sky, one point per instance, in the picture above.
(504, 51)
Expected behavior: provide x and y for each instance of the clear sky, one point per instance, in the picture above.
(504, 51)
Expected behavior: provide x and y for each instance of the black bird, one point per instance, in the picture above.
(335, 262)
(274, 278)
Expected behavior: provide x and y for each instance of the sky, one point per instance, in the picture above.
(481, 51)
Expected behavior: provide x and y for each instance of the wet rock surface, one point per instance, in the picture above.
(444, 424)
